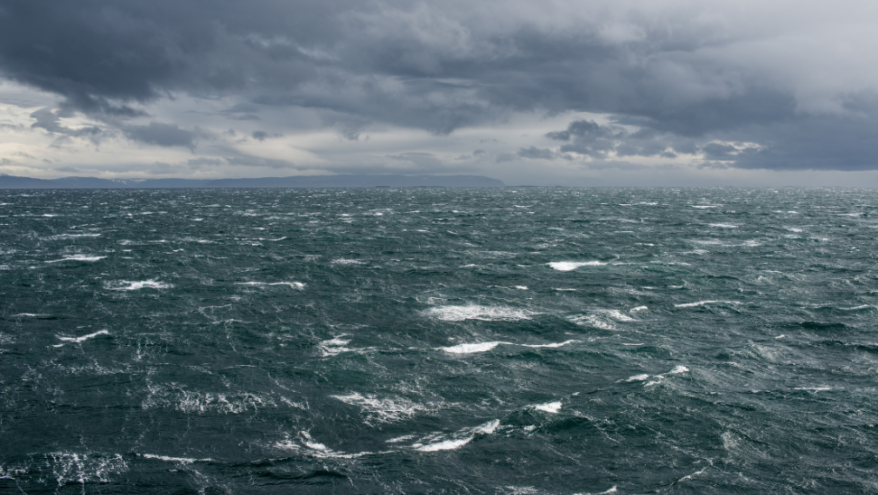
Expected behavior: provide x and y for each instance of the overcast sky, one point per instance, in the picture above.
(654, 92)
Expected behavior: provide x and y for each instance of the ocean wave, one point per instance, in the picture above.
(137, 285)
(637, 378)
(78, 257)
(76, 468)
(472, 348)
(343, 261)
(566, 266)
(178, 397)
(59, 237)
(704, 303)
(180, 460)
(291, 285)
(334, 346)
(79, 340)
(477, 312)
(386, 410)
(553, 345)
(439, 442)
(548, 407)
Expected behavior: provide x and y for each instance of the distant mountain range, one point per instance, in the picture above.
(347, 180)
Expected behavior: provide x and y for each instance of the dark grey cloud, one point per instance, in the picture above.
(49, 120)
(535, 153)
(599, 141)
(828, 143)
(166, 135)
(690, 84)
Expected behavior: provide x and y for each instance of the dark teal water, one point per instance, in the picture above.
(513, 341)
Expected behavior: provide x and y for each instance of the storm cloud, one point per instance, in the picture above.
(755, 85)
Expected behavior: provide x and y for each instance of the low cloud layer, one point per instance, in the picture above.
(746, 85)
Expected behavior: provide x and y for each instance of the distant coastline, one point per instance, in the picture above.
(345, 180)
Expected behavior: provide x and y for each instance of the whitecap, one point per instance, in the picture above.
(73, 236)
(78, 340)
(292, 285)
(472, 348)
(457, 440)
(603, 319)
(617, 315)
(549, 407)
(607, 492)
(378, 410)
(704, 207)
(566, 266)
(78, 257)
(70, 468)
(638, 308)
(128, 285)
(311, 443)
(477, 312)
(723, 225)
(696, 473)
(814, 389)
(677, 370)
(317, 449)
(334, 346)
(342, 261)
(551, 346)
(403, 438)
(703, 303)
(592, 320)
(521, 287)
(445, 445)
(176, 396)
(637, 378)
(84, 337)
(182, 460)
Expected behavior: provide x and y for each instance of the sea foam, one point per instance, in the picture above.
(549, 407)
(378, 410)
(703, 303)
(550, 346)
(79, 340)
(566, 266)
(78, 257)
(472, 348)
(137, 285)
(291, 285)
(477, 312)
(457, 440)
(181, 460)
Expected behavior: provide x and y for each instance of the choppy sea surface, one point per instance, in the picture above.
(508, 341)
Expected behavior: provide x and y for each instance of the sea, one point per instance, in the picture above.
(427, 340)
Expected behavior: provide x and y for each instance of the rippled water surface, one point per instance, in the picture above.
(513, 341)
